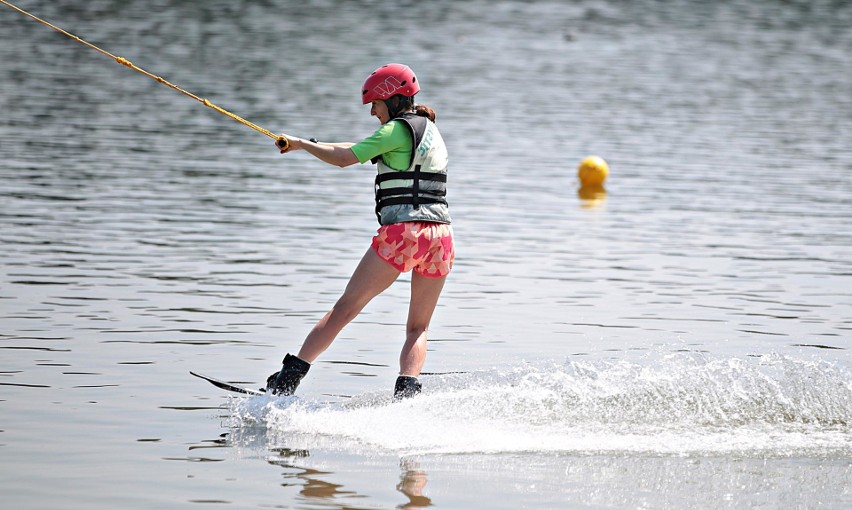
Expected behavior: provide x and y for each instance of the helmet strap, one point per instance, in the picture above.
(399, 104)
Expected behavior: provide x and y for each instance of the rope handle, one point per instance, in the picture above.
(280, 140)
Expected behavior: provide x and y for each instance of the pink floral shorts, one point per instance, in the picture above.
(425, 247)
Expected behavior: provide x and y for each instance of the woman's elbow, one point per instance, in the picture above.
(346, 158)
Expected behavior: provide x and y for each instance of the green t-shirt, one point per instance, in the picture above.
(392, 141)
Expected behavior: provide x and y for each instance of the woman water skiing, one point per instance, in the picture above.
(414, 234)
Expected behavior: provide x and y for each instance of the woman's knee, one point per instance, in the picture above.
(347, 308)
(415, 331)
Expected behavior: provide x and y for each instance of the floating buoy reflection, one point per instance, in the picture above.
(591, 196)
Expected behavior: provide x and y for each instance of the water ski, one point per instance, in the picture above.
(228, 386)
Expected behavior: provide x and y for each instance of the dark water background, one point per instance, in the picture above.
(681, 341)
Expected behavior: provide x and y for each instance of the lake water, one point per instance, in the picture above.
(681, 340)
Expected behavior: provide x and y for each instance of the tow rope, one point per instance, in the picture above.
(280, 140)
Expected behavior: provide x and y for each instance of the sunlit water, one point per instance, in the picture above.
(679, 340)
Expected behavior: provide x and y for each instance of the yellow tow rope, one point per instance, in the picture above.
(280, 140)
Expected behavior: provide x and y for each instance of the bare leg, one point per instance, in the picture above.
(372, 276)
(424, 297)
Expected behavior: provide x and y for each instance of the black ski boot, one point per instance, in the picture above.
(285, 381)
(406, 387)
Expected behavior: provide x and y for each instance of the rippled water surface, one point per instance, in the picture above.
(679, 339)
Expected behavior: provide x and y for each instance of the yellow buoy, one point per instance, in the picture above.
(592, 171)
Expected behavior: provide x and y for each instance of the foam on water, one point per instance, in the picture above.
(676, 404)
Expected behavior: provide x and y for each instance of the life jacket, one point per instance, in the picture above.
(418, 193)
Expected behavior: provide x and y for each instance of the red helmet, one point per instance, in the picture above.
(388, 81)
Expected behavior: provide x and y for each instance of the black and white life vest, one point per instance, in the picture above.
(418, 193)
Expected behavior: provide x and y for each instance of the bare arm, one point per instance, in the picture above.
(337, 154)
